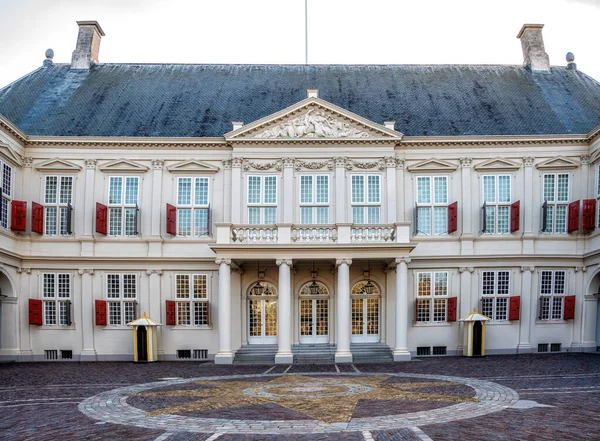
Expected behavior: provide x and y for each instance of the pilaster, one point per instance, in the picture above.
(236, 190)
(340, 190)
(466, 242)
(227, 190)
(400, 204)
(528, 205)
(390, 175)
(287, 203)
(88, 352)
(466, 303)
(528, 308)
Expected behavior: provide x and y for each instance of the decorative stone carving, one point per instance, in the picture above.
(237, 162)
(262, 166)
(158, 164)
(287, 262)
(399, 260)
(528, 161)
(527, 268)
(391, 161)
(288, 162)
(379, 164)
(339, 262)
(314, 124)
(465, 162)
(24, 270)
(27, 161)
(586, 159)
(314, 165)
(399, 164)
(91, 163)
(340, 161)
(86, 271)
(581, 268)
(226, 164)
(220, 260)
(154, 271)
(462, 269)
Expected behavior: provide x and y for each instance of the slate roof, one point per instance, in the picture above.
(169, 100)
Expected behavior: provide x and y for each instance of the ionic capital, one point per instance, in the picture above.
(154, 271)
(224, 260)
(91, 164)
(401, 260)
(339, 262)
(462, 269)
(287, 262)
(528, 161)
(527, 268)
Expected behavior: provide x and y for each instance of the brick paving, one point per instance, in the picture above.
(40, 401)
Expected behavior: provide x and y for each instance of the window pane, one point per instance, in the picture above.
(503, 189)
(51, 189)
(305, 189)
(501, 309)
(322, 215)
(129, 286)
(50, 213)
(182, 286)
(358, 215)
(373, 195)
(559, 282)
(184, 191)
(270, 215)
(129, 312)
(131, 191)
(546, 283)
(439, 310)
(561, 219)
(503, 219)
(358, 188)
(424, 218)
(130, 221)
(115, 190)
(440, 220)
(64, 286)
(113, 286)
(4, 213)
(487, 288)
(184, 222)
(489, 189)
(254, 215)
(114, 221)
(50, 313)
(503, 283)
(6, 179)
(114, 313)
(49, 290)
(490, 219)
(64, 212)
(549, 218)
(563, 188)
(62, 312)
(270, 190)
(66, 188)
(487, 307)
(201, 222)
(549, 188)
(440, 190)
(424, 284)
(423, 190)
(322, 189)
(201, 197)
(183, 313)
(200, 317)
(254, 190)
(441, 284)
(199, 286)
(373, 215)
(306, 215)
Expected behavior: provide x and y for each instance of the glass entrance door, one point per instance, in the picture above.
(262, 321)
(314, 321)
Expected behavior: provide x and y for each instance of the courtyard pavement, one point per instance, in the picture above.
(520, 397)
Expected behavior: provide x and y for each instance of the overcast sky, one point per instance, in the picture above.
(272, 31)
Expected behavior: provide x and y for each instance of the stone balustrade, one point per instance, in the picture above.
(373, 233)
(314, 234)
(254, 234)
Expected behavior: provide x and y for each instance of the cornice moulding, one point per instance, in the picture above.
(192, 166)
(433, 164)
(123, 165)
(57, 164)
(497, 164)
(557, 163)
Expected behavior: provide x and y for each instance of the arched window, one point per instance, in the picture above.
(365, 312)
(268, 289)
(363, 287)
(314, 288)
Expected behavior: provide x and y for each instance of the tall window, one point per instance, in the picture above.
(496, 198)
(262, 199)
(121, 292)
(56, 294)
(122, 205)
(57, 198)
(495, 291)
(598, 197)
(192, 207)
(432, 296)
(192, 299)
(556, 200)
(6, 194)
(552, 293)
(366, 199)
(314, 199)
(432, 205)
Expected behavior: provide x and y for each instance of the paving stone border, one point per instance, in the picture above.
(112, 407)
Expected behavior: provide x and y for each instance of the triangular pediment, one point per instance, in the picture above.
(559, 162)
(192, 166)
(123, 165)
(313, 119)
(57, 164)
(7, 153)
(497, 164)
(436, 165)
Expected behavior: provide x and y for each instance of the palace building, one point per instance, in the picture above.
(298, 213)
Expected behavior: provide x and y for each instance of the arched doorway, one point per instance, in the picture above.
(314, 313)
(365, 298)
(262, 314)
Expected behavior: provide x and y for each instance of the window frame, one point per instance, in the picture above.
(314, 205)
(365, 204)
(123, 207)
(432, 205)
(552, 297)
(554, 204)
(192, 301)
(500, 302)
(430, 299)
(6, 197)
(58, 205)
(496, 204)
(262, 206)
(598, 197)
(193, 207)
(54, 305)
(121, 301)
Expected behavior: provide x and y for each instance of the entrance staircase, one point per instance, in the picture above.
(371, 353)
(255, 354)
(314, 353)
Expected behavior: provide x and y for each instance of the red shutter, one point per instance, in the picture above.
(37, 218)
(515, 214)
(588, 214)
(101, 218)
(514, 311)
(18, 220)
(452, 301)
(171, 220)
(452, 217)
(35, 312)
(171, 313)
(573, 217)
(569, 308)
(100, 312)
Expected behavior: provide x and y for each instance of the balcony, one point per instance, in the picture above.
(342, 233)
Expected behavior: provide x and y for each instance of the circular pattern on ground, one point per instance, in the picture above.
(316, 403)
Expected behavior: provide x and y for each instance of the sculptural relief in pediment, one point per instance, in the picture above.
(315, 123)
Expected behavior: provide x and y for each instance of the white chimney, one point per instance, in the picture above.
(88, 45)
(532, 42)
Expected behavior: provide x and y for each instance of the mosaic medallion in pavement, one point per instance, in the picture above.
(299, 403)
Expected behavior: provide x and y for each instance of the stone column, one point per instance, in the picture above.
(528, 310)
(466, 304)
(390, 177)
(577, 339)
(400, 201)
(466, 237)
(225, 354)
(236, 190)
(153, 301)
(87, 214)
(87, 314)
(527, 206)
(227, 191)
(284, 314)
(340, 190)
(401, 352)
(287, 203)
(343, 354)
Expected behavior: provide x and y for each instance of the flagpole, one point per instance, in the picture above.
(305, 31)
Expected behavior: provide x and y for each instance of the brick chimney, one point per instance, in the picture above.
(532, 42)
(88, 45)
